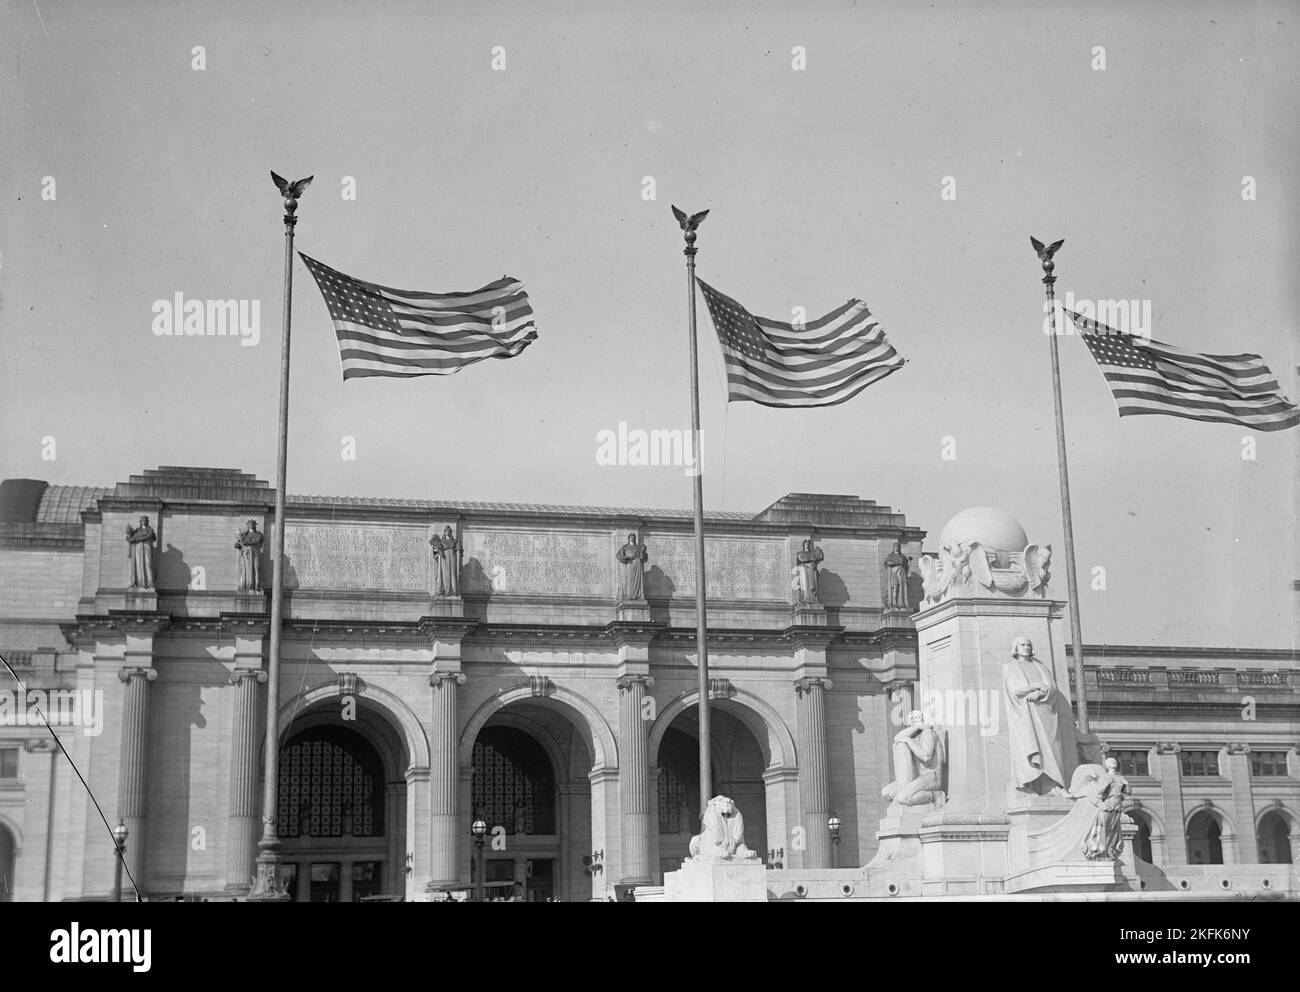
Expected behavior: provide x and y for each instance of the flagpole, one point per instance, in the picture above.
(701, 623)
(1063, 473)
(268, 885)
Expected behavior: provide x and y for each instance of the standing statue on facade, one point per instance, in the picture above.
(918, 764)
(139, 550)
(248, 544)
(1033, 731)
(631, 580)
(896, 566)
(447, 558)
(1105, 841)
(803, 577)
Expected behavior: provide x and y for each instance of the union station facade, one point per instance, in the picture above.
(535, 700)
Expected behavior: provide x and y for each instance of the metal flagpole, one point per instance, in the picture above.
(1063, 472)
(268, 885)
(689, 224)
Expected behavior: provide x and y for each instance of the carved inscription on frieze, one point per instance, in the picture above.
(538, 563)
(359, 557)
(736, 569)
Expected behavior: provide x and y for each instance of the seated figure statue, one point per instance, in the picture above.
(918, 764)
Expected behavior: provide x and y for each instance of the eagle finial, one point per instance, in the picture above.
(689, 224)
(1045, 253)
(291, 190)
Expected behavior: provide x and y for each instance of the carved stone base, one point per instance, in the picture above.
(808, 615)
(900, 836)
(143, 600)
(717, 881)
(632, 610)
(248, 601)
(447, 606)
(896, 619)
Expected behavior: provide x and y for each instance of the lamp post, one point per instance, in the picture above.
(479, 829)
(120, 834)
(833, 825)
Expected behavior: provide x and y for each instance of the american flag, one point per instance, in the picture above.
(394, 332)
(1150, 377)
(832, 359)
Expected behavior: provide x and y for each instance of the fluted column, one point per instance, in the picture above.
(634, 778)
(1169, 770)
(444, 778)
(133, 767)
(813, 769)
(243, 824)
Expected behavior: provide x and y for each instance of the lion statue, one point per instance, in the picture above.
(723, 835)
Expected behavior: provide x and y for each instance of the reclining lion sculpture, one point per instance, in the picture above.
(723, 835)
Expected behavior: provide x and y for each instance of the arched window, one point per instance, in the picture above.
(331, 785)
(679, 783)
(1142, 841)
(513, 785)
(1204, 845)
(1274, 839)
(6, 864)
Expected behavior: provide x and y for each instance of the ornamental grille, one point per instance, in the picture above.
(513, 786)
(331, 785)
(679, 783)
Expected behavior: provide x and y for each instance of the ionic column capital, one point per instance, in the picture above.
(626, 683)
(440, 680)
(809, 683)
(238, 675)
(125, 674)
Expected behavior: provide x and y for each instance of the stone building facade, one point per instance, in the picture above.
(535, 699)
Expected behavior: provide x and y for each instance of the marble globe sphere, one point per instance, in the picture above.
(991, 527)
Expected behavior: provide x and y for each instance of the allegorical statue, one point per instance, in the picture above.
(970, 569)
(722, 834)
(632, 556)
(803, 577)
(447, 556)
(1033, 732)
(1105, 841)
(139, 549)
(248, 544)
(896, 565)
(918, 764)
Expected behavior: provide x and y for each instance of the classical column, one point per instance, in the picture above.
(444, 779)
(813, 769)
(244, 817)
(1171, 802)
(1243, 803)
(634, 778)
(132, 775)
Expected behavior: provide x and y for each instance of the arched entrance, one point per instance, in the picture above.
(341, 813)
(1204, 840)
(737, 765)
(7, 858)
(1142, 840)
(530, 782)
(1274, 834)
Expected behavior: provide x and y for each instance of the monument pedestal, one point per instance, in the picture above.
(447, 606)
(717, 881)
(632, 611)
(808, 615)
(900, 836)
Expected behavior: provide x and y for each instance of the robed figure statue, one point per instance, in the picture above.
(447, 555)
(803, 577)
(896, 564)
(632, 557)
(1105, 840)
(139, 550)
(248, 543)
(1033, 731)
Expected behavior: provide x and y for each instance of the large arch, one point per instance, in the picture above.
(1208, 827)
(388, 704)
(769, 730)
(600, 740)
(1276, 835)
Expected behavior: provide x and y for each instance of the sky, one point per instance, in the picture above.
(824, 182)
